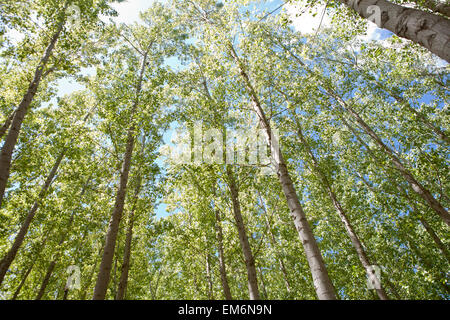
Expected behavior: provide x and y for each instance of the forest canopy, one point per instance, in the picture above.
(238, 149)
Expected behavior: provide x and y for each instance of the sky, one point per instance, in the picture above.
(128, 12)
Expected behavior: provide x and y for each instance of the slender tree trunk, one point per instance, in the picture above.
(123, 283)
(21, 111)
(396, 162)
(89, 278)
(243, 239)
(415, 185)
(274, 242)
(439, 278)
(104, 273)
(423, 118)
(22, 281)
(27, 273)
(429, 30)
(46, 280)
(52, 264)
(6, 125)
(263, 284)
(222, 266)
(322, 282)
(209, 277)
(11, 254)
(435, 238)
(357, 244)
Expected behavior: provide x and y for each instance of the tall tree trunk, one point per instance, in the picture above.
(438, 277)
(6, 125)
(123, 283)
(396, 162)
(279, 255)
(27, 272)
(263, 284)
(104, 273)
(209, 277)
(63, 237)
(435, 238)
(429, 30)
(11, 254)
(21, 111)
(415, 185)
(22, 281)
(222, 265)
(243, 239)
(357, 244)
(322, 282)
(89, 278)
(417, 215)
(402, 101)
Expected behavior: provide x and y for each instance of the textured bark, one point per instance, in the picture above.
(243, 239)
(429, 30)
(322, 282)
(104, 273)
(19, 115)
(11, 254)
(123, 283)
(357, 244)
(222, 265)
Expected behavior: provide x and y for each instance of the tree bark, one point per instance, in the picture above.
(123, 283)
(11, 254)
(322, 282)
(209, 277)
(222, 265)
(357, 244)
(243, 239)
(429, 30)
(21, 111)
(22, 281)
(104, 273)
(275, 245)
(7, 124)
(435, 238)
(396, 162)
(63, 237)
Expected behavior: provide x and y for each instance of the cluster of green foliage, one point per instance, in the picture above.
(302, 81)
